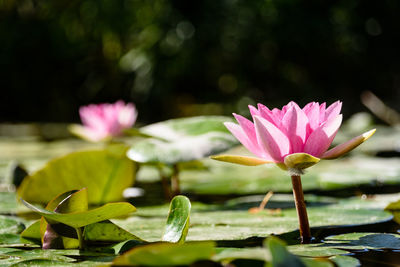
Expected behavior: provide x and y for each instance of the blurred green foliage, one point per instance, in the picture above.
(178, 58)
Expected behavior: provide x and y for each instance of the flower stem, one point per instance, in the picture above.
(301, 210)
(176, 190)
(165, 185)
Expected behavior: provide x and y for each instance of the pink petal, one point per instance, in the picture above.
(127, 116)
(333, 110)
(322, 108)
(312, 112)
(253, 111)
(320, 140)
(240, 135)
(295, 123)
(268, 115)
(272, 140)
(248, 128)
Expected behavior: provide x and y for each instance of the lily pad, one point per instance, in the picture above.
(224, 222)
(187, 139)
(106, 173)
(80, 219)
(167, 254)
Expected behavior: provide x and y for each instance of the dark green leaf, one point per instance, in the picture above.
(167, 254)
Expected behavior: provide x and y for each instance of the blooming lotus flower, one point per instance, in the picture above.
(104, 121)
(294, 138)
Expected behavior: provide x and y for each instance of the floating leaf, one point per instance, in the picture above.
(363, 241)
(178, 220)
(106, 173)
(9, 225)
(32, 233)
(187, 139)
(345, 261)
(106, 231)
(58, 235)
(280, 255)
(167, 254)
(230, 222)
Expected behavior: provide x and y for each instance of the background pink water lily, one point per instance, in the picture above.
(104, 121)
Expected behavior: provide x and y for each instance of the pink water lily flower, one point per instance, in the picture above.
(104, 121)
(295, 138)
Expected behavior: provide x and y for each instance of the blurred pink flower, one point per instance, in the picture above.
(276, 134)
(104, 121)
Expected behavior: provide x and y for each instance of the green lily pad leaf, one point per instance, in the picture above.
(32, 233)
(230, 222)
(337, 245)
(8, 203)
(187, 139)
(309, 262)
(8, 225)
(139, 133)
(364, 241)
(80, 219)
(39, 262)
(315, 250)
(167, 254)
(105, 173)
(226, 254)
(280, 256)
(178, 220)
(124, 246)
(19, 257)
(58, 235)
(345, 261)
(75, 202)
(108, 232)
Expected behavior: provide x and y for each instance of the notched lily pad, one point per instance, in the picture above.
(106, 173)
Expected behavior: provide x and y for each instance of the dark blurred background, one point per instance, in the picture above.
(182, 58)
